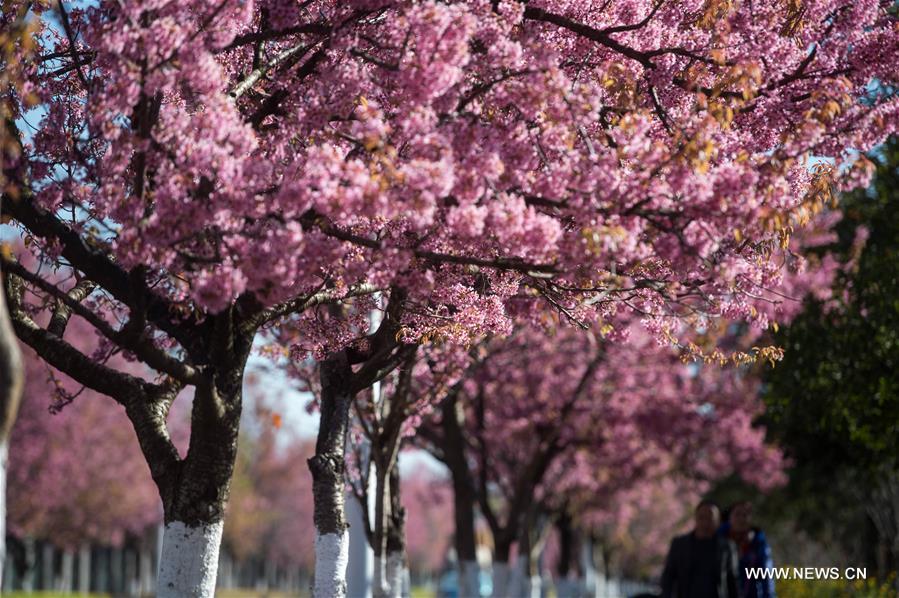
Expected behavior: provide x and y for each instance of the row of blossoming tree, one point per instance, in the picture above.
(196, 177)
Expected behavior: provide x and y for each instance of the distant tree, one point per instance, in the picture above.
(76, 475)
(568, 423)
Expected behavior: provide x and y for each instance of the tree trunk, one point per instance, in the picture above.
(464, 498)
(30, 570)
(84, 569)
(397, 570)
(189, 559)
(328, 479)
(194, 498)
(47, 566)
(568, 584)
(11, 382)
(145, 571)
(67, 571)
(380, 583)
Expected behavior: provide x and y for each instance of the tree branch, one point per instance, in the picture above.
(130, 337)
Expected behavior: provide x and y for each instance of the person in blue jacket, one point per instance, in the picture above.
(752, 549)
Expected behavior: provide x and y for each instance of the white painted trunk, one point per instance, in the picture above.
(590, 586)
(4, 460)
(47, 580)
(146, 572)
(379, 581)
(28, 580)
(67, 575)
(331, 557)
(407, 581)
(396, 565)
(501, 580)
(84, 569)
(189, 561)
(469, 579)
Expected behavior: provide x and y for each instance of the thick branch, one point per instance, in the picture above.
(99, 267)
(597, 35)
(134, 341)
(124, 388)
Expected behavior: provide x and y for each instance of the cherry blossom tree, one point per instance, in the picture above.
(208, 169)
(555, 418)
(386, 419)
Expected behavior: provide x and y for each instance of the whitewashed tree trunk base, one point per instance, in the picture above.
(67, 575)
(331, 557)
(533, 586)
(407, 581)
(395, 574)
(84, 569)
(379, 587)
(146, 572)
(189, 561)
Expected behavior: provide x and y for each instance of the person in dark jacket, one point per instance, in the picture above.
(702, 563)
(752, 551)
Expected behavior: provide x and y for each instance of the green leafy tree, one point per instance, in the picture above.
(833, 403)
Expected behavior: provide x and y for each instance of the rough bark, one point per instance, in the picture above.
(195, 490)
(328, 478)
